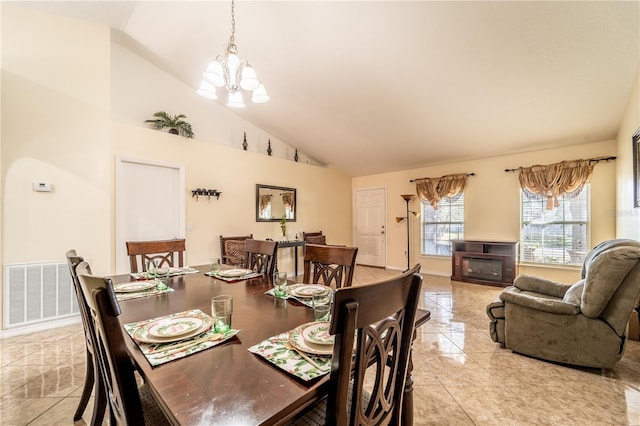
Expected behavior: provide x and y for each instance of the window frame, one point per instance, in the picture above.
(459, 202)
(566, 250)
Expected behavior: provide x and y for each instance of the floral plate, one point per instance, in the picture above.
(318, 333)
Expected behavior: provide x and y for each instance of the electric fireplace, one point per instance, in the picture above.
(484, 262)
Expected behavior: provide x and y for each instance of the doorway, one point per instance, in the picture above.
(370, 231)
(150, 204)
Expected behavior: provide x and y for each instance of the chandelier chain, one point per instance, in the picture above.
(232, 40)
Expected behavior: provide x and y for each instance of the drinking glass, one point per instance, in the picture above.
(321, 302)
(280, 284)
(162, 278)
(221, 310)
(152, 266)
(215, 266)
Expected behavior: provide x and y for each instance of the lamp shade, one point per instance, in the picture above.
(207, 90)
(235, 100)
(260, 95)
(249, 81)
(215, 74)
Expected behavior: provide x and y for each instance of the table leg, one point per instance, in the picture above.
(407, 401)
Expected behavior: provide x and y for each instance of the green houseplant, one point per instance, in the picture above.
(175, 124)
(283, 225)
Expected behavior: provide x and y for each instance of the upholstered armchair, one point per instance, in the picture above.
(581, 324)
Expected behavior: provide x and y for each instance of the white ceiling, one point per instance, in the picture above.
(376, 86)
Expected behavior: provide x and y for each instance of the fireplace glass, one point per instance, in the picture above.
(483, 269)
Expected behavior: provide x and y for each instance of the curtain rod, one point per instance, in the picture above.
(591, 160)
(413, 180)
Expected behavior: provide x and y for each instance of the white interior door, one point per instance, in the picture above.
(149, 204)
(370, 219)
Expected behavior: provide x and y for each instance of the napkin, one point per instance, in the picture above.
(158, 354)
(274, 351)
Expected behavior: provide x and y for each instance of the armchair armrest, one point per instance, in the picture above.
(541, 285)
(554, 306)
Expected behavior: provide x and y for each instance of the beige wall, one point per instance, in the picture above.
(628, 217)
(492, 203)
(57, 106)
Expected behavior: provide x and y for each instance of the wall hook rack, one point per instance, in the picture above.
(206, 192)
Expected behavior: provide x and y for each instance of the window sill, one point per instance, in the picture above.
(549, 266)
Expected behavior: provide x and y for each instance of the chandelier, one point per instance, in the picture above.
(233, 73)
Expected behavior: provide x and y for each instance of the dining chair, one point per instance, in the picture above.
(166, 251)
(129, 403)
(327, 264)
(373, 326)
(314, 238)
(261, 255)
(232, 250)
(92, 379)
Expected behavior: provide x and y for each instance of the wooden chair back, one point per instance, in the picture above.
(261, 255)
(232, 250)
(166, 251)
(93, 378)
(325, 264)
(314, 238)
(379, 319)
(113, 358)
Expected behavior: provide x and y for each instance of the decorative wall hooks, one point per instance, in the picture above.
(205, 192)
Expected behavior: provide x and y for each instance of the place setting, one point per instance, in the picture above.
(137, 289)
(304, 352)
(230, 275)
(307, 294)
(170, 271)
(178, 335)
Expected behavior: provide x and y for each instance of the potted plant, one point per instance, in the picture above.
(175, 124)
(283, 225)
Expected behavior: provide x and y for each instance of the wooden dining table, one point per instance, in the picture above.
(227, 384)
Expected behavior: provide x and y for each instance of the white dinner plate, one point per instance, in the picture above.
(174, 327)
(297, 341)
(233, 273)
(134, 286)
(307, 290)
(318, 333)
(142, 334)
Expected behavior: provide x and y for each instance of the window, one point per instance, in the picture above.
(441, 226)
(558, 236)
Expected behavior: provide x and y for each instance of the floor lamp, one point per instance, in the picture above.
(407, 198)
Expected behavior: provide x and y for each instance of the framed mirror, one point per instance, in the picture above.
(273, 202)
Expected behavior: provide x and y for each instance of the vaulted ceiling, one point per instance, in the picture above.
(376, 86)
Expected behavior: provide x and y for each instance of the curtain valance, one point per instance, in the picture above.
(432, 190)
(287, 199)
(553, 180)
(264, 201)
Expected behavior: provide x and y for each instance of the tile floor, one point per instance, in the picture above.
(461, 376)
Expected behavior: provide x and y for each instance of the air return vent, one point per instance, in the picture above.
(38, 292)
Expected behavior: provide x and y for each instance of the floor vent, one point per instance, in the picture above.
(37, 292)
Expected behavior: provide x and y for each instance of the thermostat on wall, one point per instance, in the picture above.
(41, 187)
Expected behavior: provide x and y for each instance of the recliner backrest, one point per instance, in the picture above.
(612, 282)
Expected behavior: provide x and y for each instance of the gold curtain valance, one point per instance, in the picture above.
(264, 201)
(432, 190)
(287, 199)
(554, 180)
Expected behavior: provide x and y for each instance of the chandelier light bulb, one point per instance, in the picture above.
(233, 65)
